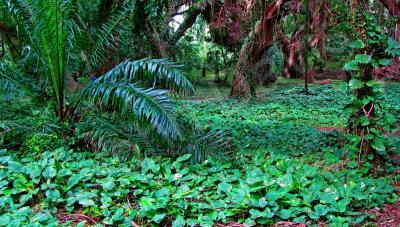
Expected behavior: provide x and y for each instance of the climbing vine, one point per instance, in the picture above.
(367, 122)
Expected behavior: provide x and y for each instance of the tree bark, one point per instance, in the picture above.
(187, 23)
(291, 49)
(165, 46)
(259, 41)
(392, 6)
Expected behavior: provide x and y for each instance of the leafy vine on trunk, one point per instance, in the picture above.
(367, 122)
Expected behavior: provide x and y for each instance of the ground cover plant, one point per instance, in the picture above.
(199, 113)
(254, 190)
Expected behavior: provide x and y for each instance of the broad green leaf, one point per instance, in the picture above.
(49, 172)
(357, 44)
(285, 214)
(149, 165)
(363, 58)
(158, 218)
(285, 181)
(255, 213)
(147, 203)
(118, 215)
(356, 84)
(378, 145)
(53, 195)
(179, 222)
(351, 66)
(372, 83)
(385, 62)
(321, 210)
(109, 184)
(184, 157)
(86, 202)
(225, 187)
(16, 167)
(74, 180)
(5, 219)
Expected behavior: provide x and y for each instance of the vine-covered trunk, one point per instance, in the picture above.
(366, 112)
(365, 124)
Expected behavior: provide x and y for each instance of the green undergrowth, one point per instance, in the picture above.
(285, 119)
(48, 187)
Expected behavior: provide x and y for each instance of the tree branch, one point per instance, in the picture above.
(187, 23)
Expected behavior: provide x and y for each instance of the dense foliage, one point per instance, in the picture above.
(259, 189)
(199, 113)
(284, 119)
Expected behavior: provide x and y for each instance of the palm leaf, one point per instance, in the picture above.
(116, 134)
(106, 37)
(150, 104)
(157, 69)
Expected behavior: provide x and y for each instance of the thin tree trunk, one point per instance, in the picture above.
(305, 61)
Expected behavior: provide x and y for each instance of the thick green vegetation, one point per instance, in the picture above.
(265, 182)
(285, 119)
(65, 186)
(199, 113)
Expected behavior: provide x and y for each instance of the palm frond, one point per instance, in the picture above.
(160, 70)
(18, 12)
(115, 134)
(203, 144)
(126, 137)
(13, 82)
(150, 104)
(106, 36)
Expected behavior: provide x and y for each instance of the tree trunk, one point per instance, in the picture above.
(306, 47)
(393, 6)
(291, 49)
(259, 41)
(165, 45)
(217, 77)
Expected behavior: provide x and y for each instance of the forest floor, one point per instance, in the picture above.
(284, 120)
(289, 166)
